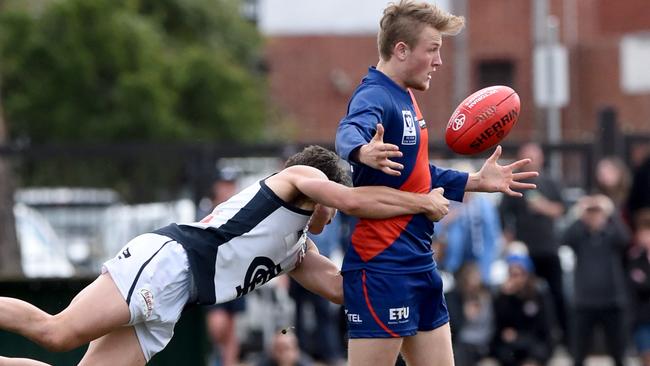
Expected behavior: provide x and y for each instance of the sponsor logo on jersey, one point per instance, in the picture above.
(260, 271)
(397, 314)
(409, 134)
(125, 254)
(423, 124)
(147, 297)
(353, 318)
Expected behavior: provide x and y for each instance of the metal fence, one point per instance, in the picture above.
(97, 197)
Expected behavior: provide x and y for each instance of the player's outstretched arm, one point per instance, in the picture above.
(319, 275)
(493, 177)
(373, 202)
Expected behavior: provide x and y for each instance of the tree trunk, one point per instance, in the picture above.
(9, 251)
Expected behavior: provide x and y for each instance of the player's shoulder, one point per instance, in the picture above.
(372, 91)
(373, 97)
(301, 171)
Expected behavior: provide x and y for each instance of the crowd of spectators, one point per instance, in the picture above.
(512, 298)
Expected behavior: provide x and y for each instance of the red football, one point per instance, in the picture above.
(482, 120)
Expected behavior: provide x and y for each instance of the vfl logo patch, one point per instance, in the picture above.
(147, 296)
(260, 271)
(409, 134)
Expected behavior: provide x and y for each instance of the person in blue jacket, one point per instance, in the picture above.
(392, 292)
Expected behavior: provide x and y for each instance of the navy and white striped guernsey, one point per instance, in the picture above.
(242, 244)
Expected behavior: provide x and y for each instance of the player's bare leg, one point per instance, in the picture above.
(430, 348)
(119, 347)
(4, 361)
(373, 351)
(97, 310)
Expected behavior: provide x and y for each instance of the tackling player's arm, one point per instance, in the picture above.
(319, 275)
(373, 202)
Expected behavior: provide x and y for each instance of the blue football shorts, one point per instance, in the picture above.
(380, 305)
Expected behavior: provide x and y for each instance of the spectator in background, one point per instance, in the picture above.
(532, 221)
(323, 343)
(613, 180)
(284, 352)
(221, 319)
(639, 198)
(471, 232)
(471, 316)
(522, 334)
(638, 272)
(599, 239)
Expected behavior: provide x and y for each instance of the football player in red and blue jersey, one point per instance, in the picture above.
(392, 292)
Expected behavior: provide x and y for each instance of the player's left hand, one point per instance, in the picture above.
(502, 178)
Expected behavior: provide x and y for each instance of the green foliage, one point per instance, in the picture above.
(131, 70)
(210, 22)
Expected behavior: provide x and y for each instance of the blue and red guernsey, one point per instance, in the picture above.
(401, 244)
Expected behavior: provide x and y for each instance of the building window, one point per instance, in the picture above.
(250, 10)
(495, 73)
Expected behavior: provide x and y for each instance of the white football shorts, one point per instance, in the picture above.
(153, 275)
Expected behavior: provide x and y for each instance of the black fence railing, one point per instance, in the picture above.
(154, 172)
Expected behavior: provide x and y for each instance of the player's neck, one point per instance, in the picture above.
(389, 69)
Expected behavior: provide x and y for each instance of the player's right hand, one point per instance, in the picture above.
(439, 205)
(377, 154)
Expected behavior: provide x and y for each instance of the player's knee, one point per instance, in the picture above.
(59, 343)
(56, 338)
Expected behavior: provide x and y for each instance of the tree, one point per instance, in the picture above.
(131, 70)
(78, 71)
(9, 251)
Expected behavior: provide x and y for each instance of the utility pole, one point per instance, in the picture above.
(462, 70)
(550, 71)
(553, 116)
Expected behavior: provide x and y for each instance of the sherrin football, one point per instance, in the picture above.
(482, 120)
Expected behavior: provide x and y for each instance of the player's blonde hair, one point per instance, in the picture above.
(403, 22)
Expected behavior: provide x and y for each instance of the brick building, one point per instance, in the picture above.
(314, 69)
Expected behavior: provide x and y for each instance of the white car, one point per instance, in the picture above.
(42, 251)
